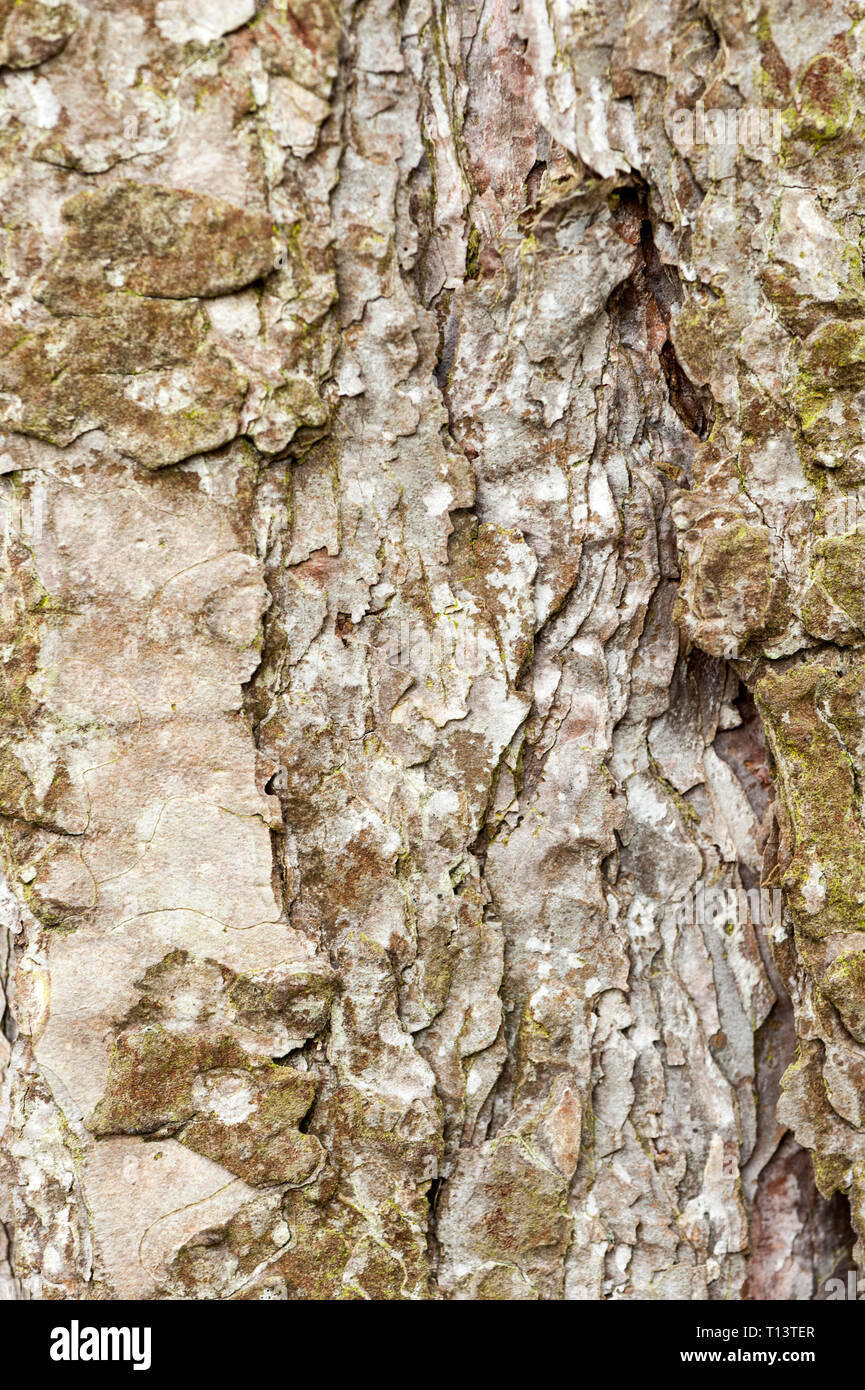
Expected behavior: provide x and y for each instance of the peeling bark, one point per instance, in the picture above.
(432, 629)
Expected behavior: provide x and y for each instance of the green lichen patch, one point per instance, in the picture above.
(830, 377)
(31, 32)
(825, 100)
(151, 240)
(844, 985)
(45, 796)
(300, 998)
(524, 1222)
(211, 1096)
(730, 579)
(802, 306)
(804, 1094)
(398, 1139)
(834, 605)
(702, 332)
(144, 371)
(290, 1001)
(826, 873)
(221, 1258)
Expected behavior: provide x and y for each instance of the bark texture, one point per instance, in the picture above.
(431, 573)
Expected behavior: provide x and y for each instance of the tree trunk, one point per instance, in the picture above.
(433, 620)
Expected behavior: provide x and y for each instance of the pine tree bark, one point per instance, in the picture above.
(432, 629)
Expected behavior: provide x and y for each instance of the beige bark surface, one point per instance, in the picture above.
(433, 607)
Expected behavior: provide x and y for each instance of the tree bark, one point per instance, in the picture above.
(432, 628)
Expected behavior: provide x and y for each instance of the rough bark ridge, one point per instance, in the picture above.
(431, 573)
